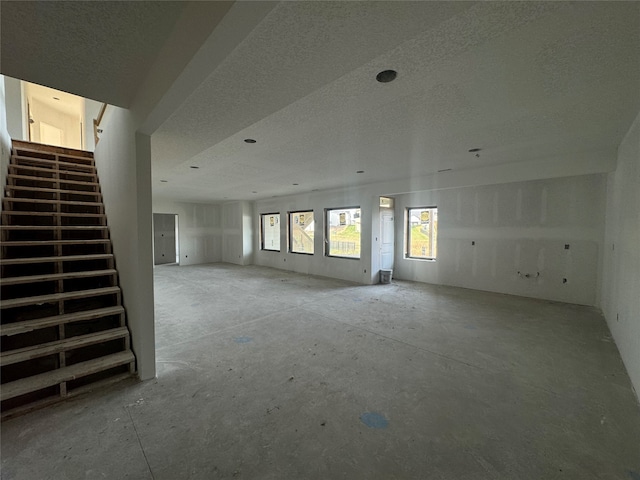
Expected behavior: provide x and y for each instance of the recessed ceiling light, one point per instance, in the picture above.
(386, 76)
(193, 166)
(164, 181)
(360, 171)
(474, 150)
(249, 140)
(56, 98)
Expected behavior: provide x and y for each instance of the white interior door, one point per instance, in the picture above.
(387, 238)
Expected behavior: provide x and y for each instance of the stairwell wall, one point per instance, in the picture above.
(5, 139)
(123, 161)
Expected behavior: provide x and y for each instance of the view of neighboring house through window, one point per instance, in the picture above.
(422, 232)
(343, 232)
(270, 228)
(301, 227)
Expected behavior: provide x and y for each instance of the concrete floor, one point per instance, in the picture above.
(265, 374)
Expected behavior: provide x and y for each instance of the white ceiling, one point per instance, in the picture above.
(98, 50)
(65, 103)
(521, 80)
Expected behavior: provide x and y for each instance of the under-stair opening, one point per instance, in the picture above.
(63, 325)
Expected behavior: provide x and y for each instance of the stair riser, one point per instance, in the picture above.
(49, 287)
(53, 184)
(51, 207)
(45, 363)
(52, 220)
(50, 234)
(70, 343)
(51, 268)
(31, 251)
(68, 169)
(50, 173)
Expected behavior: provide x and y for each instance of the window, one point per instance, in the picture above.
(301, 227)
(422, 236)
(270, 229)
(343, 232)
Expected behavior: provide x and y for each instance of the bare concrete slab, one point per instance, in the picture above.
(266, 374)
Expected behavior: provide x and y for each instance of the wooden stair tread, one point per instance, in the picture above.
(57, 297)
(30, 151)
(51, 277)
(63, 202)
(51, 190)
(26, 326)
(44, 402)
(59, 157)
(33, 243)
(48, 214)
(64, 374)
(58, 258)
(50, 149)
(50, 348)
(54, 227)
(13, 176)
(16, 159)
(48, 170)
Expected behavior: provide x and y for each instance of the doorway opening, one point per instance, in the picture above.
(54, 117)
(387, 234)
(165, 239)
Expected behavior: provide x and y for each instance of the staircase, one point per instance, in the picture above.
(62, 328)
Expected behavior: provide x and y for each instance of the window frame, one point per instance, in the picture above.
(327, 229)
(262, 238)
(290, 231)
(407, 244)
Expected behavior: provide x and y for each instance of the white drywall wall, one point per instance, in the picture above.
(247, 233)
(237, 233)
(521, 226)
(91, 111)
(15, 109)
(199, 230)
(69, 124)
(620, 300)
(5, 139)
(356, 270)
(123, 160)
(517, 226)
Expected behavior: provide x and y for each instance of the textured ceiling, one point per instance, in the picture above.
(524, 81)
(65, 103)
(521, 80)
(98, 50)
